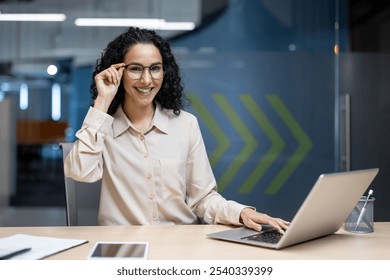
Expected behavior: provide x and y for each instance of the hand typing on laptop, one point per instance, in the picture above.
(252, 219)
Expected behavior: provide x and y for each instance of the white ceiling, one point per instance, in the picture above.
(24, 43)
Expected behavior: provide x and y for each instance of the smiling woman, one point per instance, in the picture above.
(147, 150)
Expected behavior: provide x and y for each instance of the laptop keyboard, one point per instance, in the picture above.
(269, 236)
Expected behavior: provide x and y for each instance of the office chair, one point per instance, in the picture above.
(82, 199)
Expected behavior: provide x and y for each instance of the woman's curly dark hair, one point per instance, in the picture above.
(170, 95)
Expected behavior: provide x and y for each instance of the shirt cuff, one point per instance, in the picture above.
(98, 120)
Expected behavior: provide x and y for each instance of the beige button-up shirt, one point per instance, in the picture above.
(162, 176)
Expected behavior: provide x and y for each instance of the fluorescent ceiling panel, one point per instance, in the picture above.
(32, 17)
(158, 24)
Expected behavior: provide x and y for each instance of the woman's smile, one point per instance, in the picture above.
(144, 91)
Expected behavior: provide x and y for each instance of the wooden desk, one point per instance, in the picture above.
(190, 242)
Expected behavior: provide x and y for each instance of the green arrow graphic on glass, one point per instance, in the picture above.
(277, 144)
(213, 127)
(266, 160)
(299, 154)
(245, 134)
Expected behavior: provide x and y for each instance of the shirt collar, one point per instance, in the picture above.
(122, 123)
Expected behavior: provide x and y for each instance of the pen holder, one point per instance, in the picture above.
(364, 224)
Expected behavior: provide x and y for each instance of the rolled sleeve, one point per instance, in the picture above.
(96, 126)
(84, 162)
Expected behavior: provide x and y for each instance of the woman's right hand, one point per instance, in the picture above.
(107, 83)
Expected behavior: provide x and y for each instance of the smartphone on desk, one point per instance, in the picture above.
(119, 250)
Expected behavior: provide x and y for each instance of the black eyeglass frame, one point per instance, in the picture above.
(143, 70)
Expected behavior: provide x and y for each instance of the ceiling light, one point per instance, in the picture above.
(158, 24)
(32, 17)
(177, 26)
(146, 23)
(52, 70)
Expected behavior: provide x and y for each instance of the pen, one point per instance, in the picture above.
(363, 211)
(15, 253)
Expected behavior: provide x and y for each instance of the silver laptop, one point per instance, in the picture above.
(323, 212)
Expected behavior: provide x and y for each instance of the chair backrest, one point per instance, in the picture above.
(82, 199)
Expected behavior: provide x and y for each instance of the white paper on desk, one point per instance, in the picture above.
(41, 246)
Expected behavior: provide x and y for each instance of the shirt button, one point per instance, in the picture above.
(141, 137)
(146, 155)
(154, 216)
(149, 176)
(151, 197)
(99, 120)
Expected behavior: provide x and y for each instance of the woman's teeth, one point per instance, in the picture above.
(144, 90)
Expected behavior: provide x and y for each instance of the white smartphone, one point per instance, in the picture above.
(119, 250)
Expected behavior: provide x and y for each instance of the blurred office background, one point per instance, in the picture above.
(284, 90)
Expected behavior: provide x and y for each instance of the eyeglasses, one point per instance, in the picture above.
(135, 71)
